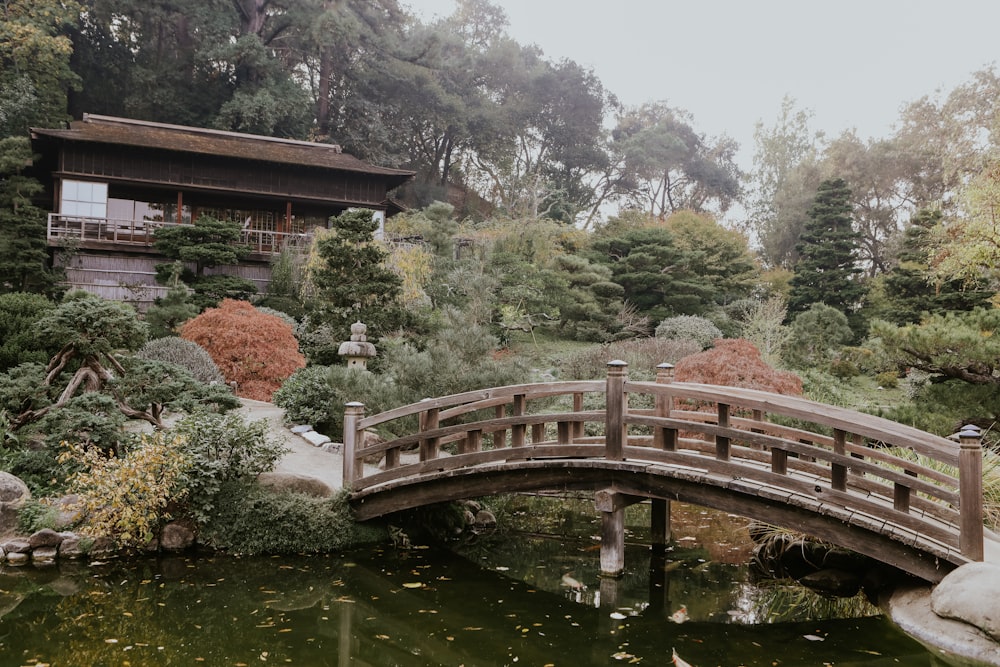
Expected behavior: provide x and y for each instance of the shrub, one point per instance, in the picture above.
(284, 317)
(126, 498)
(844, 368)
(184, 353)
(221, 448)
(255, 350)
(817, 336)
(736, 363)
(316, 395)
(689, 327)
(252, 520)
(887, 379)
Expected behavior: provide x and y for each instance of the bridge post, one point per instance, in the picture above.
(659, 516)
(614, 413)
(970, 490)
(353, 466)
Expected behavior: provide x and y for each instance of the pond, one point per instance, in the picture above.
(522, 600)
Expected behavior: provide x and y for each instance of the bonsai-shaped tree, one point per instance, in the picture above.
(97, 336)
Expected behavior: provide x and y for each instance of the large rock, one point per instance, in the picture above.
(288, 482)
(45, 538)
(970, 594)
(13, 494)
(176, 536)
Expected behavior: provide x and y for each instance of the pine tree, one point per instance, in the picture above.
(354, 282)
(827, 270)
(24, 257)
(910, 287)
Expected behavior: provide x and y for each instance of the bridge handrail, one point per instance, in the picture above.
(471, 401)
(870, 426)
(851, 466)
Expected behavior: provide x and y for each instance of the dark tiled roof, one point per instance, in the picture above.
(127, 132)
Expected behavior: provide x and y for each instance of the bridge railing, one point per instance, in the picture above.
(796, 450)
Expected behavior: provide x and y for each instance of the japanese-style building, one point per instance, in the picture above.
(114, 181)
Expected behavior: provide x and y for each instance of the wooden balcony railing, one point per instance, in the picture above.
(80, 229)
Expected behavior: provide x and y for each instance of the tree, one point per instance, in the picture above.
(968, 247)
(255, 350)
(207, 243)
(35, 72)
(96, 336)
(670, 166)
(734, 362)
(912, 289)
(663, 274)
(780, 154)
(24, 257)
(827, 270)
(960, 345)
(353, 282)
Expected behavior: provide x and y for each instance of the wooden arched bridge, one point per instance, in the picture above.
(880, 488)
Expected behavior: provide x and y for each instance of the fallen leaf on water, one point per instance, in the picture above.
(413, 584)
(381, 636)
(617, 615)
(814, 638)
(470, 628)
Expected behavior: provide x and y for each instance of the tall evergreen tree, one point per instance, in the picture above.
(827, 270)
(24, 257)
(353, 282)
(910, 287)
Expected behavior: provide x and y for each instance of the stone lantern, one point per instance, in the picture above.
(358, 350)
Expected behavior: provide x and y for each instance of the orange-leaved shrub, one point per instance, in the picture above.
(255, 350)
(735, 362)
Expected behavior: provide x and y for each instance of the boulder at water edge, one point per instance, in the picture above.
(13, 494)
(970, 594)
(288, 482)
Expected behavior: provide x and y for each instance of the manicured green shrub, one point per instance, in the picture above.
(689, 327)
(252, 520)
(316, 396)
(818, 334)
(184, 353)
(222, 448)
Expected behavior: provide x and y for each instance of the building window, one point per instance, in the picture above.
(84, 199)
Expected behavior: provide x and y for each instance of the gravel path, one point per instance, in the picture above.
(302, 458)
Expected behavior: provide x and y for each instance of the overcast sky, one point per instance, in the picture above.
(853, 63)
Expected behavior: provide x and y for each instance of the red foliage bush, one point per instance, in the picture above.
(255, 350)
(735, 362)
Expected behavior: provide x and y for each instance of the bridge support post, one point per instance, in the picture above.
(613, 543)
(611, 504)
(659, 524)
(970, 490)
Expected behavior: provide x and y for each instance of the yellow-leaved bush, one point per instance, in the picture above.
(126, 498)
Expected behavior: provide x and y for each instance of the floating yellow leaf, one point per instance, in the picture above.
(413, 584)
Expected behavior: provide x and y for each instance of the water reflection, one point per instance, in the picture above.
(506, 604)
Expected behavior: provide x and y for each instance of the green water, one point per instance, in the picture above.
(506, 603)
